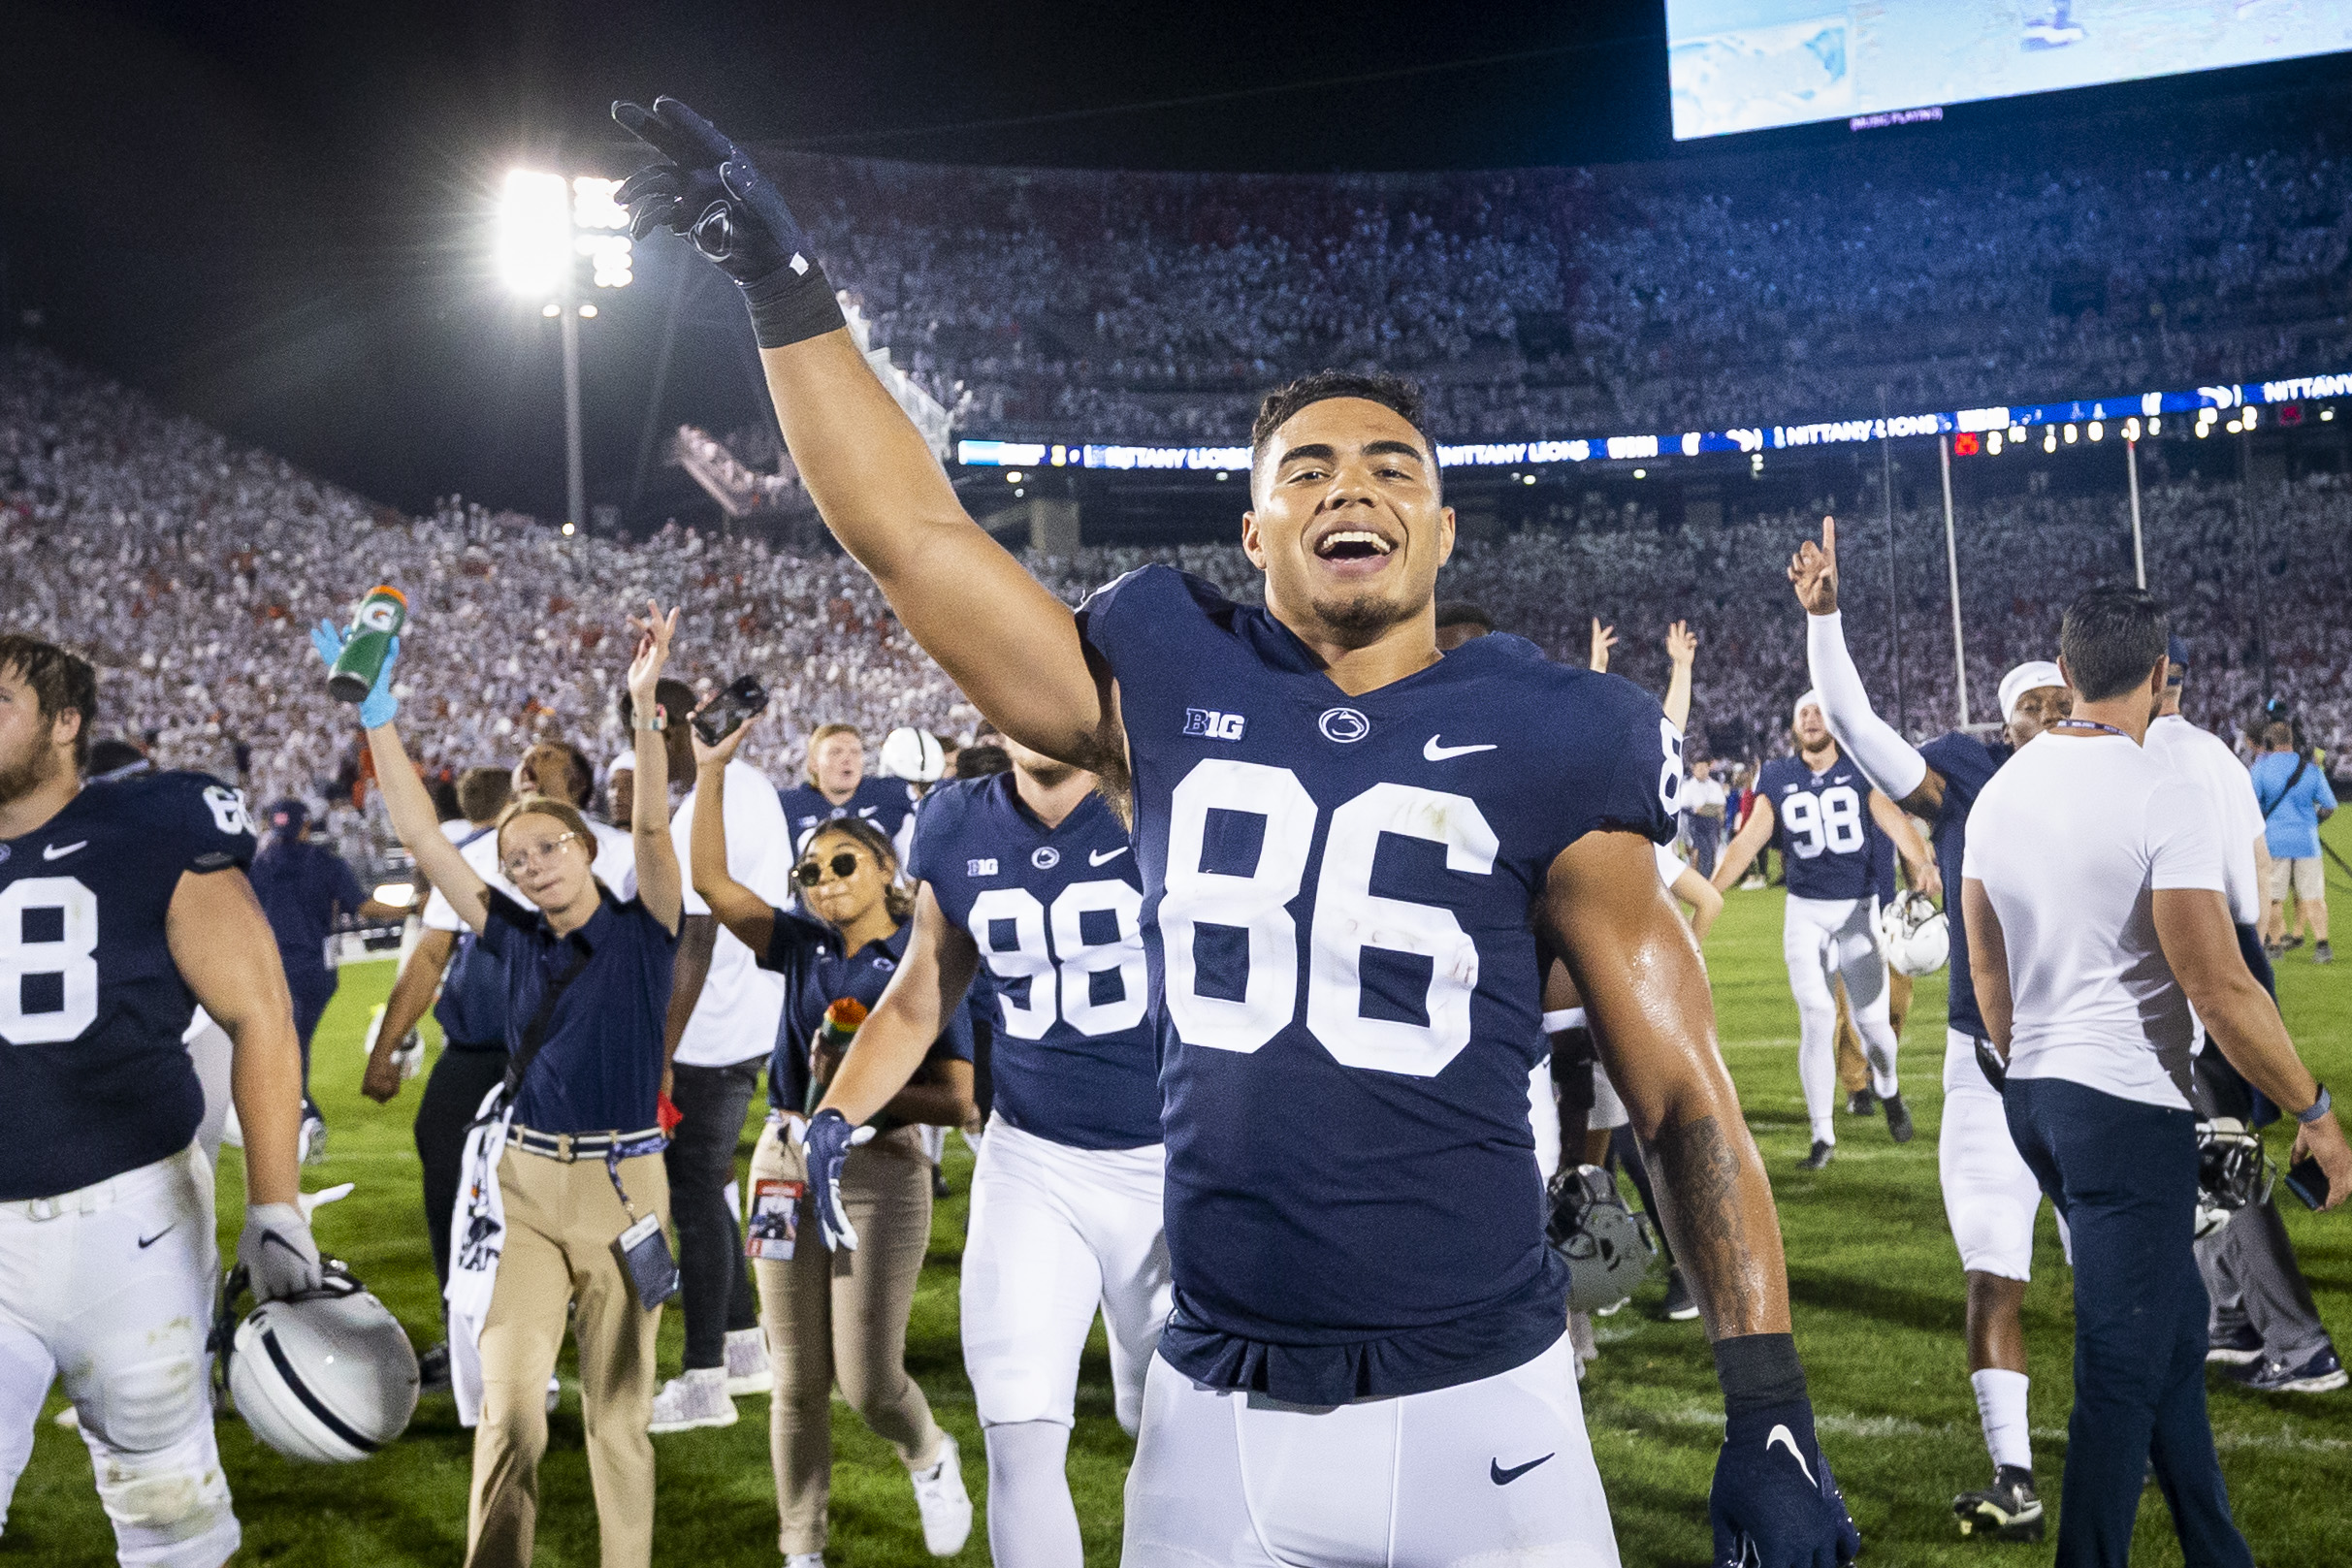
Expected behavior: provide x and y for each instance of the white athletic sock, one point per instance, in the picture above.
(1032, 1523)
(1816, 1069)
(2001, 1404)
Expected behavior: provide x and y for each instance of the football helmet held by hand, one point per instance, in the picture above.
(1607, 1248)
(1914, 935)
(327, 1376)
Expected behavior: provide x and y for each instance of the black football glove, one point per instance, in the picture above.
(708, 190)
(1774, 1504)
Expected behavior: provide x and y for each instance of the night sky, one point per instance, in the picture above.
(277, 217)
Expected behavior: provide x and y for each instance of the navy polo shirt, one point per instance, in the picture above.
(808, 953)
(302, 886)
(599, 1066)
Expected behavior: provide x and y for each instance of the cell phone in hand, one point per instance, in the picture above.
(743, 700)
(2308, 1182)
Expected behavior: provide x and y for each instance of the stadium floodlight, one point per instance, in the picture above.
(534, 232)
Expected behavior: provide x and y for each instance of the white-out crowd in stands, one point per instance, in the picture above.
(189, 569)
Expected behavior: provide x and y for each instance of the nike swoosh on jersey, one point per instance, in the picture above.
(1781, 1434)
(1094, 859)
(1435, 752)
(56, 851)
(144, 1242)
(1503, 1478)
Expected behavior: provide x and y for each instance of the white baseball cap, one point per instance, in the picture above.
(2031, 676)
(626, 762)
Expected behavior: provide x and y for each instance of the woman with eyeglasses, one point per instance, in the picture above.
(839, 1316)
(570, 1144)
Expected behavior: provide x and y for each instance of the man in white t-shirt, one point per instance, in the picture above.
(2093, 887)
(724, 1010)
(1703, 801)
(2264, 1319)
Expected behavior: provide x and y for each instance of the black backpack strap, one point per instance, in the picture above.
(2285, 790)
(534, 1033)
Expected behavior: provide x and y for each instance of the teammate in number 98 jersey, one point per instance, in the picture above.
(93, 1008)
(1336, 896)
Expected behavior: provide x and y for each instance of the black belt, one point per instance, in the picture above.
(570, 1147)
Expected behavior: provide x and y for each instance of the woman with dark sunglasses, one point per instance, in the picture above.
(839, 1316)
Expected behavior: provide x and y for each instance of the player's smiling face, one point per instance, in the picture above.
(1346, 521)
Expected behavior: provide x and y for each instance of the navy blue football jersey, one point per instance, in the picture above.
(92, 1071)
(887, 803)
(1057, 913)
(1821, 827)
(1966, 764)
(1345, 970)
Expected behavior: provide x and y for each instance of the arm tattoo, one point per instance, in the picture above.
(1697, 1177)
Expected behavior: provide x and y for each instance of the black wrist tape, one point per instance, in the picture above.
(1757, 1370)
(791, 307)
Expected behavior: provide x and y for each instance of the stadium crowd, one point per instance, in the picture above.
(1590, 301)
(191, 568)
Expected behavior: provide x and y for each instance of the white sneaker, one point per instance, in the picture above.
(555, 1394)
(945, 1507)
(695, 1398)
(747, 1363)
(805, 1560)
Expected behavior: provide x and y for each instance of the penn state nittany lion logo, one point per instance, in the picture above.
(1344, 725)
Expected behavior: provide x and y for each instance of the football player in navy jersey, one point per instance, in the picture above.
(1355, 853)
(121, 911)
(1991, 1198)
(836, 785)
(1824, 817)
(1031, 874)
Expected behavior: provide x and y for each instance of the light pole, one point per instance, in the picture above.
(546, 223)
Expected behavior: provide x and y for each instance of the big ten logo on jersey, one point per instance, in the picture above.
(1211, 724)
(1080, 959)
(980, 866)
(49, 963)
(1830, 821)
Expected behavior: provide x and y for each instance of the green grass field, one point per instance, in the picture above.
(1873, 1271)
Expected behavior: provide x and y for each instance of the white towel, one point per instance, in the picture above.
(474, 1252)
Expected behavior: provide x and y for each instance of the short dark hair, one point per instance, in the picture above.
(1393, 393)
(1462, 613)
(980, 759)
(61, 681)
(483, 793)
(675, 699)
(2112, 635)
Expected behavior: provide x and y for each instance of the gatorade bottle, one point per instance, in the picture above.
(840, 1027)
(381, 616)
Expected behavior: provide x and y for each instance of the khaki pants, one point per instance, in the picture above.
(560, 1223)
(842, 1317)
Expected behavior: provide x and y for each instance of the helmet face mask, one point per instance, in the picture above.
(2233, 1172)
(328, 1377)
(1607, 1247)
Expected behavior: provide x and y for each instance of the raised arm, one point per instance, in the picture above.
(937, 969)
(1706, 904)
(1013, 647)
(1745, 845)
(1890, 761)
(750, 917)
(1604, 638)
(659, 888)
(1682, 652)
(406, 800)
(1918, 864)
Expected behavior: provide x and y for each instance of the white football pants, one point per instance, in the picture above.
(1826, 939)
(111, 1284)
(1990, 1195)
(1493, 1473)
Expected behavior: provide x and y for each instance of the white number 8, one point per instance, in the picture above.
(229, 813)
(1671, 771)
(69, 955)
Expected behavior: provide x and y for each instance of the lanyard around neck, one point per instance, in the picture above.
(2090, 724)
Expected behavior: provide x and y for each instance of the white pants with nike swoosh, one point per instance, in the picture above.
(1496, 1473)
(110, 1286)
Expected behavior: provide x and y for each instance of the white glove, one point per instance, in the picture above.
(277, 1252)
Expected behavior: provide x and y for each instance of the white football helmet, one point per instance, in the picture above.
(1914, 935)
(913, 755)
(1605, 1244)
(327, 1376)
(2233, 1172)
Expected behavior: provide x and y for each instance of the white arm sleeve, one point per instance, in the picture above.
(1892, 763)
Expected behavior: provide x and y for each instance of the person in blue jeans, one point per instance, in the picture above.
(2295, 798)
(2094, 893)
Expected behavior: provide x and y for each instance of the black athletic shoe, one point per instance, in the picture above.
(2289, 945)
(2322, 1373)
(433, 1370)
(1898, 1119)
(1862, 1103)
(1818, 1158)
(2323, 955)
(2007, 1510)
(2234, 1346)
(1679, 1307)
(939, 1182)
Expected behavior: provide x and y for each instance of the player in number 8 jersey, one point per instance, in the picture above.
(1030, 873)
(1355, 852)
(121, 908)
(1821, 812)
